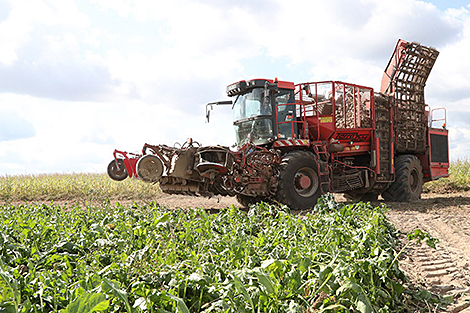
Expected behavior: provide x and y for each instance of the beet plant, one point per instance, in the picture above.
(336, 258)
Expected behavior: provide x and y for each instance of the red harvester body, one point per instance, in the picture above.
(296, 142)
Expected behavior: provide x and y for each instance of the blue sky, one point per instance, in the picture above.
(81, 78)
(445, 4)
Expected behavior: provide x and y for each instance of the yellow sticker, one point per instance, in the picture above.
(326, 119)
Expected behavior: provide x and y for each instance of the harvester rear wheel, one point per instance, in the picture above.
(299, 184)
(117, 170)
(408, 183)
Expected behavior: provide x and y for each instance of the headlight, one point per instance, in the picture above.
(236, 88)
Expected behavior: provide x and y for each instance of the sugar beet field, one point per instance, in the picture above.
(78, 243)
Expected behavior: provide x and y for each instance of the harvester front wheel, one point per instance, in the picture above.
(366, 197)
(117, 170)
(299, 184)
(246, 201)
(408, 183)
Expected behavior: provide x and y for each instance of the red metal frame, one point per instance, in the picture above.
(355, 131)
(130, 161)
(435, 170)
(443, 119)
(398, 56)
(322, 125)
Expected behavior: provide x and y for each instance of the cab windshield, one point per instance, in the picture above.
(251, 104)
(259, 131)
(252, 118)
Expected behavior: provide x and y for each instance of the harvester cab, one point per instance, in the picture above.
(256, 110)
(261, 108)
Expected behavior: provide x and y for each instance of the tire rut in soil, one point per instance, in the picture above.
(444, 270)
(438, 272)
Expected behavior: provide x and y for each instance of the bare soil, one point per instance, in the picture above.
(444, 270)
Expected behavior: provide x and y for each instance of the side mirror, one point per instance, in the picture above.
(210, 106)
(208, 113)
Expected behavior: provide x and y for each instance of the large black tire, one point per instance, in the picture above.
(246, 201)
(365, 197)
(299, 183)
(408, 183)
(117, 171)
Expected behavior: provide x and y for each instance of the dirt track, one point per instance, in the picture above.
(445, 270)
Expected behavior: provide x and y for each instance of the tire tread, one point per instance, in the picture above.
(400, 190)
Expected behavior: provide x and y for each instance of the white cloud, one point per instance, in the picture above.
(43, 53)
(14, 127)
(459, 142)
(451, 64)
(25, 15)
(93, 76)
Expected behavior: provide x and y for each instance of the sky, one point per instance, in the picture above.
(81, 78)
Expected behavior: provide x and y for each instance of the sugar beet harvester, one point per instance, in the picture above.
(296, 142)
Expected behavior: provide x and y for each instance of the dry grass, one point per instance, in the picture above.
(63, 187)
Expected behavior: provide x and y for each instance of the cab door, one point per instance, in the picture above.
(287, 127)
